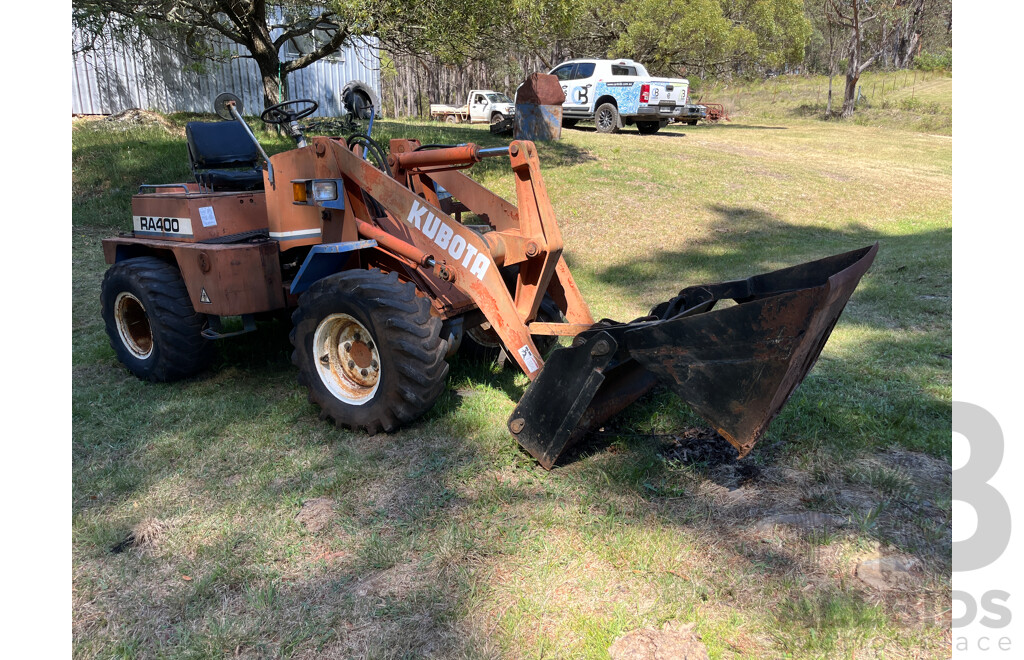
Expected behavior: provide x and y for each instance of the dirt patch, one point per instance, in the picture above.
(675, 641)
(805, 520)
(891, 572)
(316, 514)
(397, 582)
(137, 117)
(700, 446)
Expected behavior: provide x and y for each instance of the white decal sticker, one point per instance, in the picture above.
(154, 226)
(207, 216)
(203, 298)
(529, 358)
(445, 238)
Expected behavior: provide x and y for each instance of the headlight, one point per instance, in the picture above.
(325, 190)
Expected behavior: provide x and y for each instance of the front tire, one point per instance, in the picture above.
(607, 118)
(368, 350)
(149, 318)
(497, 118)
(569, 123)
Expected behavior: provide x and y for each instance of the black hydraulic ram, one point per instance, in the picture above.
(736, 366)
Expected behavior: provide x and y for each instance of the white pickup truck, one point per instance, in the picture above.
(616, 93)
(483, 106)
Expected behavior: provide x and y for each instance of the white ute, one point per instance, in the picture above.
(616, 93)
(483, 106)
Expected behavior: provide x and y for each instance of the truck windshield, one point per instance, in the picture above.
(498, 97)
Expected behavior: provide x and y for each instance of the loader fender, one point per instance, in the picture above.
(326, 259)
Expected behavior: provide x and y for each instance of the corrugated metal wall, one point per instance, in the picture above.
(114, 77)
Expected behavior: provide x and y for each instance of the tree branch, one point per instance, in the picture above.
(323, 51)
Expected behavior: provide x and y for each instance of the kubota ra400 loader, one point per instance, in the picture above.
(386, 282)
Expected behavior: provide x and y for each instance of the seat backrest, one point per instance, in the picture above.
(220, 144)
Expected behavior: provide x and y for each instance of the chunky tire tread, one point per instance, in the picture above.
(408, 340)
(179, 349)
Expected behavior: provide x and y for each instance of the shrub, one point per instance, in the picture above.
(935, 61)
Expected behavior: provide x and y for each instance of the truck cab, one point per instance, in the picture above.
(617, 93)
(487, 106)
(483, 106)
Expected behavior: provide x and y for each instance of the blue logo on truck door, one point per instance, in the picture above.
(581, 95)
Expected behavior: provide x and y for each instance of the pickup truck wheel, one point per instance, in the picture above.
(150, 321)
(497, 118)
(451, 119)
(648, 127)
(607, 119)
(368, 350)
(692, 122)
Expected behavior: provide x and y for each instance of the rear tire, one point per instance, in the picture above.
(368, 350)
(451, 119)
(149, 318)
(607, 119)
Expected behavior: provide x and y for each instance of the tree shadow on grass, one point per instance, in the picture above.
(632, 131)
(729, 126)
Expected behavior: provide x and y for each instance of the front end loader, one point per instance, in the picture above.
(391, 260)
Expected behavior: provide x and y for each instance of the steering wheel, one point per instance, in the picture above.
(283, 114)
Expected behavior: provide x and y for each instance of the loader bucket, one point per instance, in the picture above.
(736, 366)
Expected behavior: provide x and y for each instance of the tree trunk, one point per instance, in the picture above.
(850, 94)
(271, 84)
(828, 105)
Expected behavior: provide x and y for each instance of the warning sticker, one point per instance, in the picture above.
(203, 298)
(529, 358)
(207, 216)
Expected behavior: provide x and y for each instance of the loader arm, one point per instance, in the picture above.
(459, 255)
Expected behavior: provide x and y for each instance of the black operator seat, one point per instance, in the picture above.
(223, 156)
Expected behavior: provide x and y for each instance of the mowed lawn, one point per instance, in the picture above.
(220, 516)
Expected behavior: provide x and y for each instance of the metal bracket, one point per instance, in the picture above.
(214, 332)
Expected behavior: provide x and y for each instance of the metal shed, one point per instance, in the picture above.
(115, 77)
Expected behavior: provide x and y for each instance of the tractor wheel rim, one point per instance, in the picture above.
(347, 359)
(484, 335)
(133, 325)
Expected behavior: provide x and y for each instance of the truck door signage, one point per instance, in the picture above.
(581, 95)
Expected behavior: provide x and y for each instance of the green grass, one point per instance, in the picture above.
(905, 100)
(444, 539)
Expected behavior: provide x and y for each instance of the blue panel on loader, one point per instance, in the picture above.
(326, 259)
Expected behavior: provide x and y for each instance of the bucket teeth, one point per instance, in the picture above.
(736, 367)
